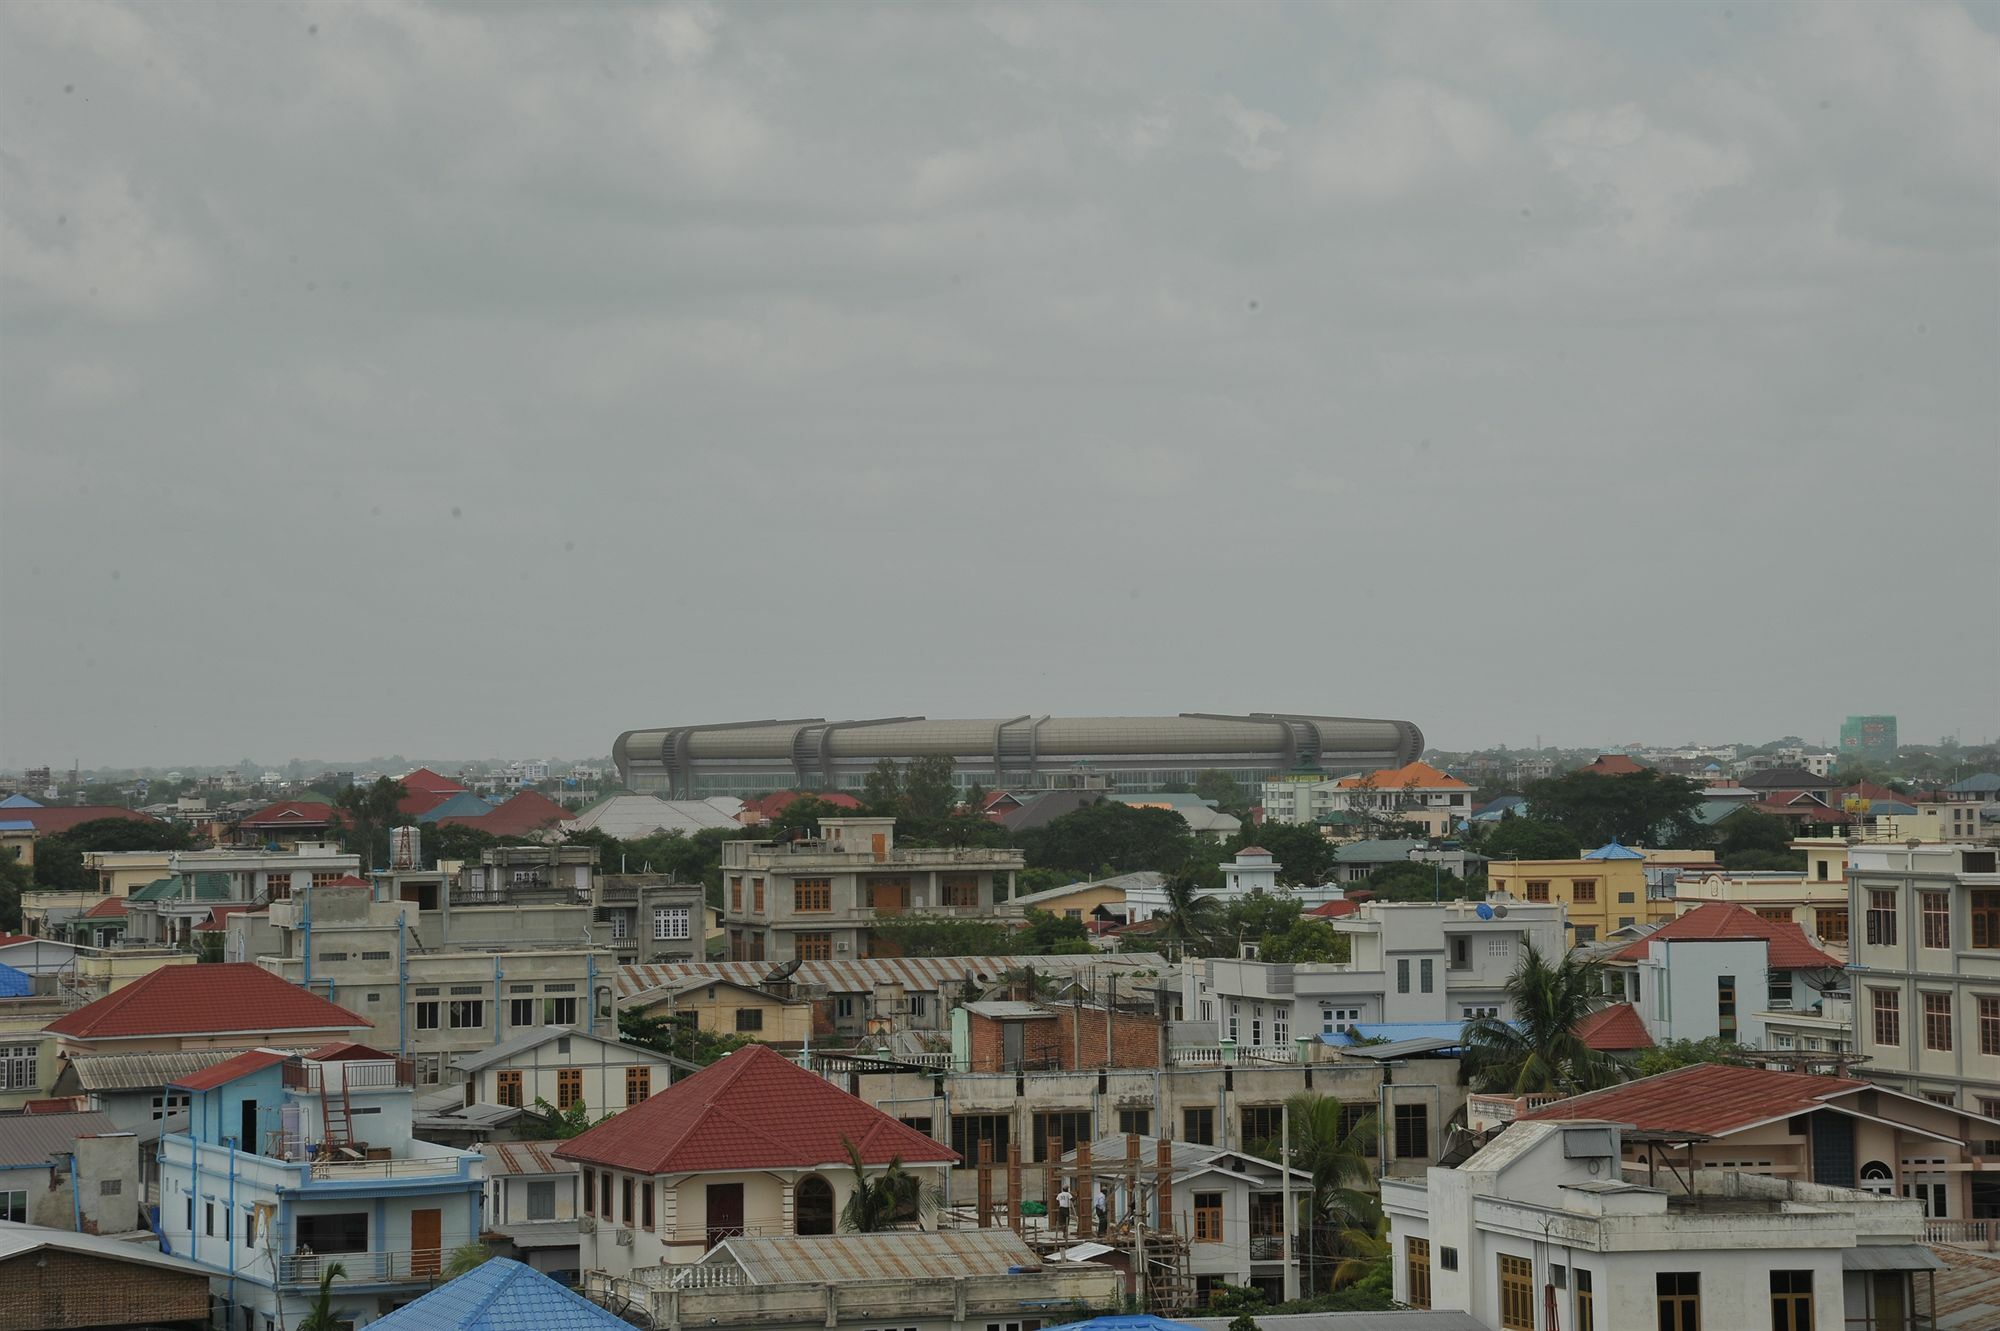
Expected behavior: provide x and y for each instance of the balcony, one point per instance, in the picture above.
(362, 1268)
(1983, 1234)
(373, 1075)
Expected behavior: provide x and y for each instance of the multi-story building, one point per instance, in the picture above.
(565, 1067)
(816, 899)
(558, 875)
(1409, 963)
(1546, 1227)
(291, 1164)
(1925, 963)
(532, 1205)
(1604, 890)
(651, 918)
(1413, 793)
(1816, 901)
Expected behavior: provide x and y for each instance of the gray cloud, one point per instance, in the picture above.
(466, 379)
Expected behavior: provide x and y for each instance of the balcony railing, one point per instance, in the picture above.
(1212, 1056)
(375, 1074)
(306, 1268)
(1964, 1233)
(1504, 1108)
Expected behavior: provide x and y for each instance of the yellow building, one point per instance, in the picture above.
(1076, 901)
(1603, 891)
(723, 1007)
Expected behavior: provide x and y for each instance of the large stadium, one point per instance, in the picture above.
(1137, 753)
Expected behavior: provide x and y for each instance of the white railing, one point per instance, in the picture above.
(306, 1268)
(1964, 1233)
(1195, 1055)
(719, 1276)
(1210, 1056)
(1504, 1108)
(340, 1171)
(942, 1062)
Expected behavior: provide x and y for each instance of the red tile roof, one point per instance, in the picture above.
(1714, 1099)
(422, 801)
(110, 906)
(425, 779)
(229, 1069)
(68, 1104)
(290, 813)
(773, 804)
(754, 1109)
(529, 811)
(1419, 774)
(348, 1051)
(1613, 1030)
(63, 817)
(8, 940)
(1612, 764)
(1333, 910)
(218, 917)
(1789, 948)
(230, 998)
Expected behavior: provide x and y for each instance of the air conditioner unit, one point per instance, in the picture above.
(840, 947)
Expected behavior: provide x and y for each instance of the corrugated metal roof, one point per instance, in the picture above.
(524, 1158)
(501, 1295)
(925, 974)
(18, 1240)
(1890, 1257)
(1968, 1289)
(138, 1072)
(30, 1139)
(893, 1256)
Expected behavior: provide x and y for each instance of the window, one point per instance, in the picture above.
(1935, 908)
(1136, 1120)
(1461, 954)
(1778, 984)
(249, 1226)
(638, 1085)
(736, 894)
(18, 1067)
(1447, 1258)
(919, 1005)
(812, 894)
(843, 1006)
(1353, 1115)
(1208, 1217)
(1583, 891)
(671, 922)
(1066, 1127)
(757, 896)
(1791, 1302)
(1478, 1010)
(569, 1087)
(1538, 890)
(427, 1016)
(559, 1011)
(208, 1218)
(814, 947)
(320, 878)
(542, 1200)
(1499, 946)
(467, 1014)
(1725, 1006)
(1888, 1016)
(1332, 1019)
(922, 1125)
(1937, 1021)
(1262, 1123)
(1831, 922)
(1985, 912)
(1678, 1299)
(625, 1195)
(520, 1012)
(1413, 1131)
(1198, 1126)
(617, 924)
(278, 886)
(1402, 975)
(960, 890)
(110, 1187)
(507, 1086)
(1586, 1302)
(749, 1019)
(1881, 918)
(646, 1205)
(1281, 1026)
(986, 1133)
(1989, 1025)
(1585, 933)
(1424, 974)
(1517, 1293)
(1417, 1262)
(590, 1192)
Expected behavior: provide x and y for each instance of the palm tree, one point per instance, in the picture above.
(466, 1257)
(1191, 919)
(886, 1200)
(1343, 1222)
(320, 1317)
(1539, 1053)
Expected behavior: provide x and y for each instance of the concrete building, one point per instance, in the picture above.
(1925, 960)
(650, 918)
(816, 899)
(53, 1166)
(1816, 901)
(724, 1007)
(181, 1008)
(565, 1067)
(1202, 817)
(77, 1281)
(556, 875)
(291, 1164)
(1409, 963)
(1140, 754)
(533, 1205)
(1602, 891)
(1545, 1227)
(1413, 793)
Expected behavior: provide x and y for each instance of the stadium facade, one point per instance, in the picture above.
(1137, 753)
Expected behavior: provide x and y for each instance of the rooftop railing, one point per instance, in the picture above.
(306, 1268)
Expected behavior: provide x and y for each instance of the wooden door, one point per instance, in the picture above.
(426, 1240)
(725, 1212)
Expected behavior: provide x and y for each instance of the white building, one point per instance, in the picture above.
(1541, 1228)
(565, 1067)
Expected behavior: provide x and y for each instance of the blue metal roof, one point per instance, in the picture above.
(1397, 1030)
(15, 984)
(1129, 1322)
(19, 802)
(1613, 851)
(16, 825)
(501, 1295)
(465, 804)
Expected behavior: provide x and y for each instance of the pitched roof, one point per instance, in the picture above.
(773, 804)
(15, 984)
(901, 1254)
(20, 802)
(529, 811)
(523, 1158)
(535, 1036)
(754, 1109)
(419, 802)
(1333, 910)
(106, 909)
(1376, 851)
(1419, 774)
(1612, 764)
(348, 1051)
(218, 917)
(100, 1073)
(630, 816)
(24, 1240)
(464, 804)
(62, 818)
(424, 779)
(1613, 1029)
(1789, 948)
(1985, 783)
(30, 1139)
(1786, 778)
(237, 997)
(1044, 808)
(501, 1295)
(863, 974)
(289, 813)
(1713, 1099)
(229, 1069)
(1613, 851)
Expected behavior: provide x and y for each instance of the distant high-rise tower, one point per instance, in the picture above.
(1868, 739)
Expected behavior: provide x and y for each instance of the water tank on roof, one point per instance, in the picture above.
(405, 849)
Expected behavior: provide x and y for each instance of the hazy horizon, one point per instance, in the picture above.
(426, 378)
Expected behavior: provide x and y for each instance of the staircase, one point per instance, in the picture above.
(337, 1116)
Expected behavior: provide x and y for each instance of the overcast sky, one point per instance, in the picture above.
(450, 380)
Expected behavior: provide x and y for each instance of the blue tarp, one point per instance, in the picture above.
(15, 984)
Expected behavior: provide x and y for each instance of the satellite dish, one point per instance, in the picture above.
(1484, 911)
(1499, 912)
(784, 972)
(1825, 978)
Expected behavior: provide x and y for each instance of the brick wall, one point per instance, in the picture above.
(53, 1288)
(1052, 1041)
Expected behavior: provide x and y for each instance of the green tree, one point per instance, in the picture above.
(1686, 1053)
(1191, 923)
(929, 796)
(1539, 1052)
(882, 790)
(1305, 858)
(15, 878)
(1413, 881)
(466, 1258)
(1111, 838)
(932, 936)
(1253, 918)
(1342, 1219)
(1753, 840)
(680, 1039)
(1306, 941)
(1222, 790)
(460, 843)
(371, 811)
(320, 1316)
(887, 1200)
(1646, 807)
(1049, 935)
(1531, 839)
(548, 1123)
(802, 815)
(59, 857)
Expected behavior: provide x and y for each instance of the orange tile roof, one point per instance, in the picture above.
(755, 1109)
(230, 998)
(108, 907)
(1612, 764)
(1419, 774)
(1713, 1099)
(229, 1069)
(529, 811)
(1789, 948)
(1613, 1030)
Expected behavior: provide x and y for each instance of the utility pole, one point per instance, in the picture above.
(1285, 1191)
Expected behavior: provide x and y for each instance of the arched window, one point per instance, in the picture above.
(812, 1206)
(1876, 1177)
